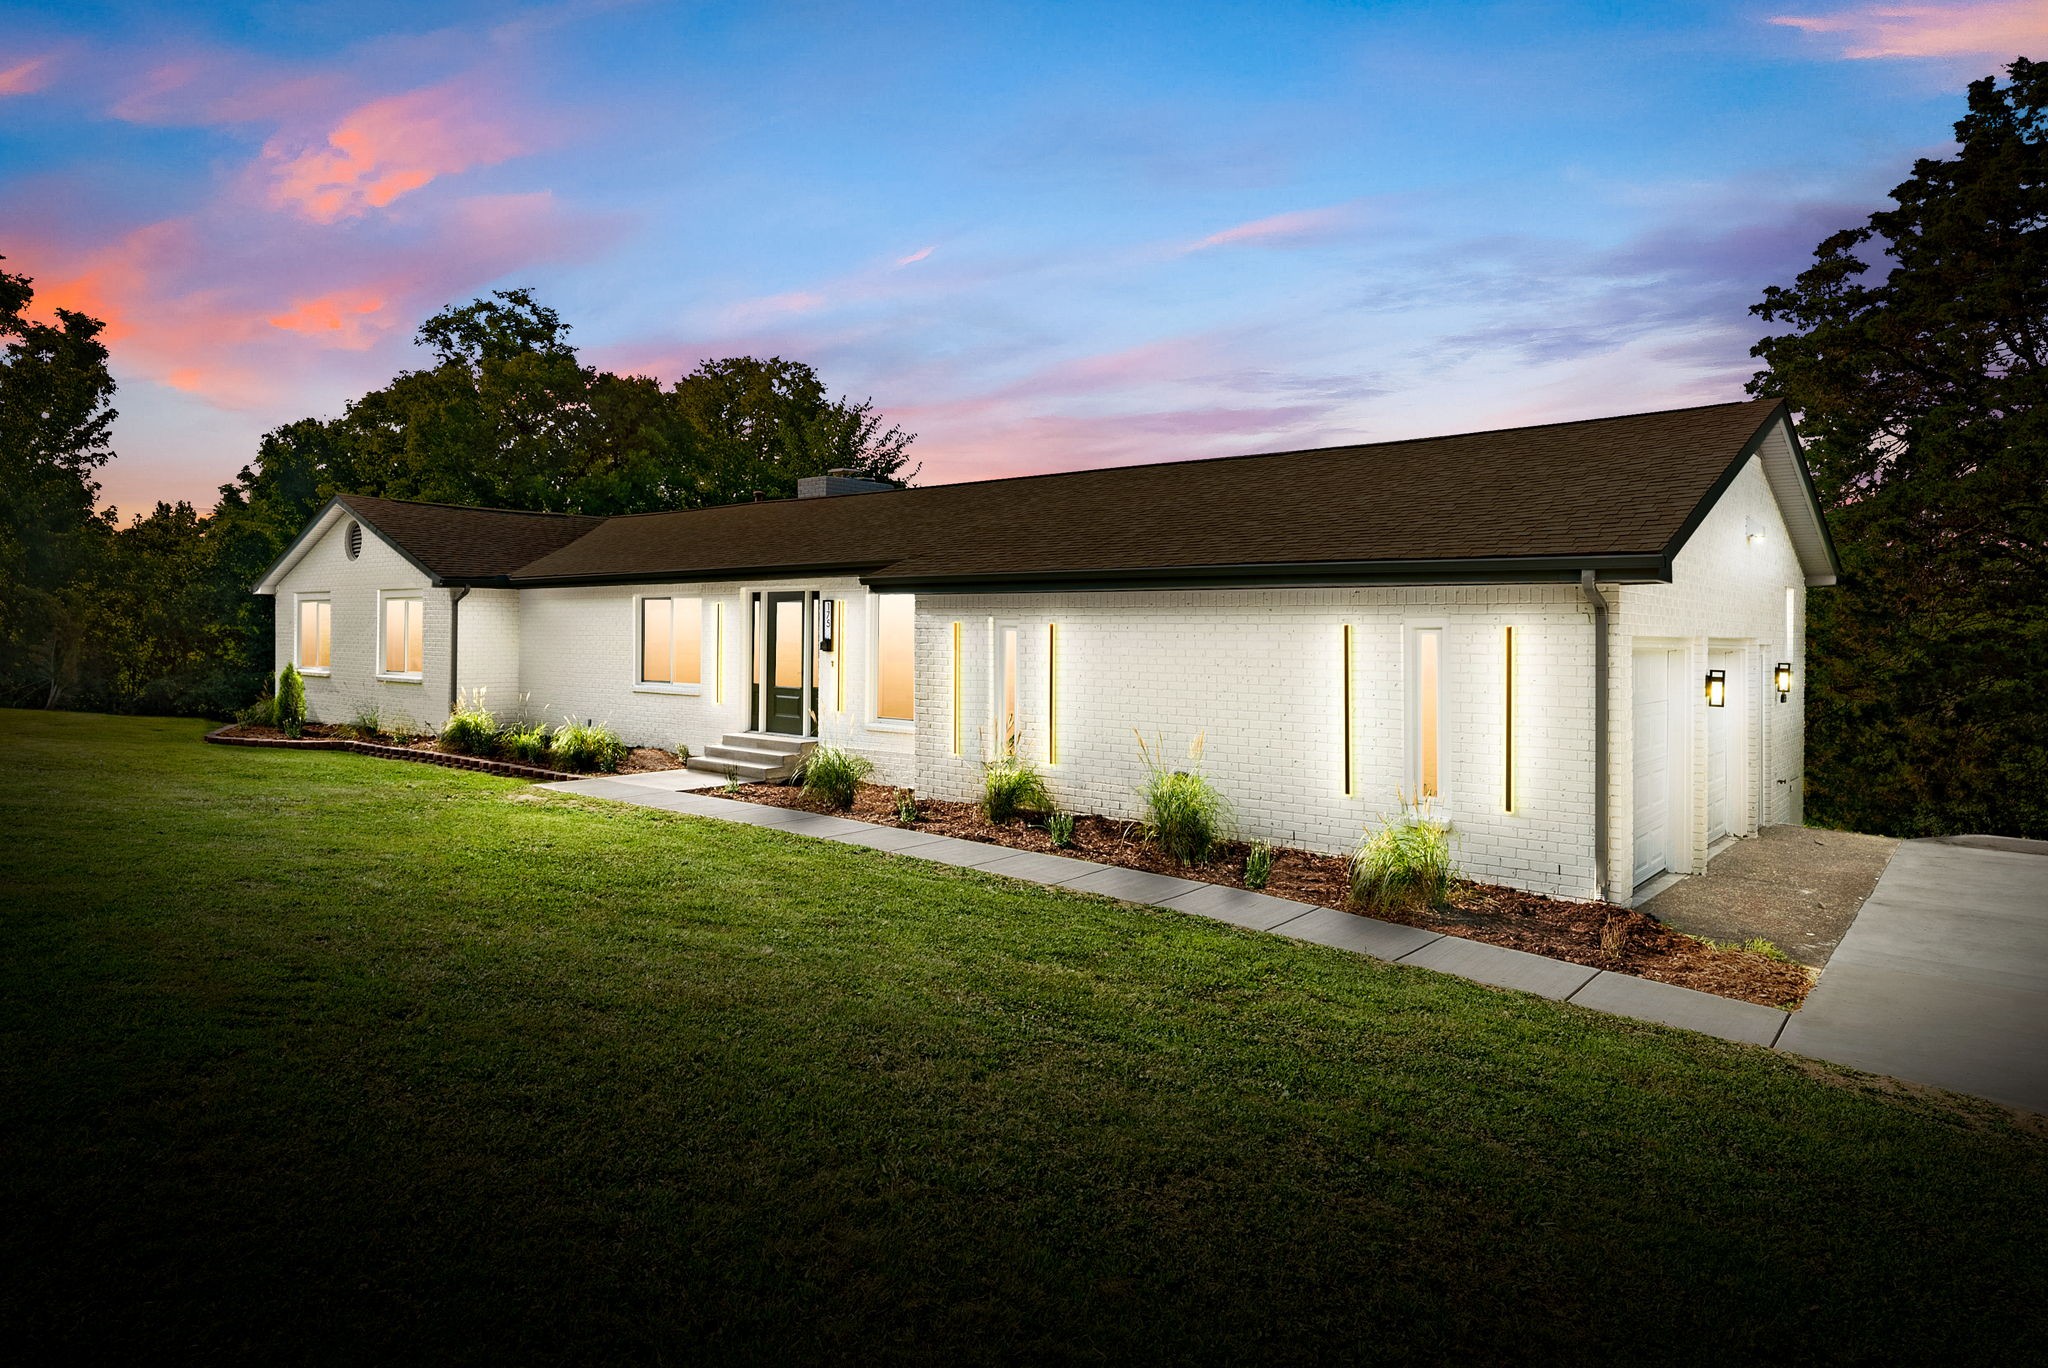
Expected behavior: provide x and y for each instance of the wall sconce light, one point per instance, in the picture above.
(1782, 678)
(1717, 688)
(1753, 530)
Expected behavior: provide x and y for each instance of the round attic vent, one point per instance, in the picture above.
(355, 540)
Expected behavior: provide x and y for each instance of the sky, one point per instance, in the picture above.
(1040, 236)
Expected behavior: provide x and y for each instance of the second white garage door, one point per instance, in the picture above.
(1659, 760)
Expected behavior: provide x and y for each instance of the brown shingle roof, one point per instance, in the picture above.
(1620, 490)
(459, 545)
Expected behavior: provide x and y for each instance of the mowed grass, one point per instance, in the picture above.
(313, 1057)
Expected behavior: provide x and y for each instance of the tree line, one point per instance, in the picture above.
(157, 616)
(1914, 350)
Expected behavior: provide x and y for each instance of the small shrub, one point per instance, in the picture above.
(365, 725)
(261, 713)
(586, 746)
(1011, 785)
(470, 729)
(291, 701)
(1407, 862)
(732, 779)
(906, 807)
(683, 754)
(832, 775)
(1060, 826)
(1613, 937)
(1258, 865)
(528, 744)
(1184, 814)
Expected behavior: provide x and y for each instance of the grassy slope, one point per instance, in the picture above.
(374, 1059)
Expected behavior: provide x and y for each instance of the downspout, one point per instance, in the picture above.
(1598, 603)
(455, 598)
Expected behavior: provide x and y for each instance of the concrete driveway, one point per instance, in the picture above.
(1943, 978)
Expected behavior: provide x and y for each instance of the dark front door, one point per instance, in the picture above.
(787, 633)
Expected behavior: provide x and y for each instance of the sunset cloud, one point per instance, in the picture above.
(919, 255)
(1996, 29)
(350, 319)
(1299, 225)
(25, 77)
(383, 150)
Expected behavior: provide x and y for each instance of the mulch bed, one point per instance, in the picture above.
(1572, 931)
(639, 760)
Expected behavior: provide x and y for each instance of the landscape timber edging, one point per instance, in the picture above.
(425, 757)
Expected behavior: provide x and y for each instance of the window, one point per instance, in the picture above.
(672, 641)
(1425, 677)
(1008, 725)
(404, 637)
(316, 636)
(895, 656)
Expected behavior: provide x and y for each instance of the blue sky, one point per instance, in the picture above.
(1040, 236)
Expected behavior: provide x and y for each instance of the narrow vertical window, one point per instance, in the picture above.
(956, 688)
(1508, 724)
(1345, 722)
(655, 652)
(1427, 680)
(316, 634)
(839, 655)
(404, 637)
(1052, 693)
(896, 658)
(1008, 724)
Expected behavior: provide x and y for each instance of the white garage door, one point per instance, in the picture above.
(1656, 707)
(1721, 731)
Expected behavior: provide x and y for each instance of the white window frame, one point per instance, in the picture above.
(1411, 691)
(299, 601)
(871, 608)
(385, 596)
(640, 644)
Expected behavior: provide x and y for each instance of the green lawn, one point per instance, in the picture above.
(323, 1057)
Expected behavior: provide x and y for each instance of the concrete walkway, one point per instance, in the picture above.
(1943, 979)
(1600, 989)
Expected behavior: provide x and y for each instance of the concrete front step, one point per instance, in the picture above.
(748, 755)
(768, 741)
(748, 771)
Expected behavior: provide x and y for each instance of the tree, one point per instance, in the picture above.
(56, 419)
(762, 425)
(1916, 352)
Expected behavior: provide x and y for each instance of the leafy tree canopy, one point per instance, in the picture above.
(1916, 349)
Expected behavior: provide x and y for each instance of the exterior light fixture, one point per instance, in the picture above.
(1717, 688)
(1782, 678)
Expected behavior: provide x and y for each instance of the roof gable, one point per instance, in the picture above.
(449, 543)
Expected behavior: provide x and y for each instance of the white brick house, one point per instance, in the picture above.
(1344, 627)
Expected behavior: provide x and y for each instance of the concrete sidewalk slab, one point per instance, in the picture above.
(1036, 867)
(819, 824)
(961, 854)
(1502, 967)
(892, 839)
(1239, 907)
(1670, 1005)
(1364, 935)
(1134, 885)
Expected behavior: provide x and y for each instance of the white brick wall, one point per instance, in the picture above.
(578, 655)
(1725, 593)
(353, 587)
(1260, 672)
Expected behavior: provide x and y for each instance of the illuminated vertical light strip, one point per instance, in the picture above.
(956, 688)
(1508, 780)
(1350, 709)
(1052, 693)
(718, 652)
(839, 655)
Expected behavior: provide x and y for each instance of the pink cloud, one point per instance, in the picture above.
(1999, 29)
(25, 77)
(1297, 226)
(350, 319)
(385, 149)
(919, 255)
